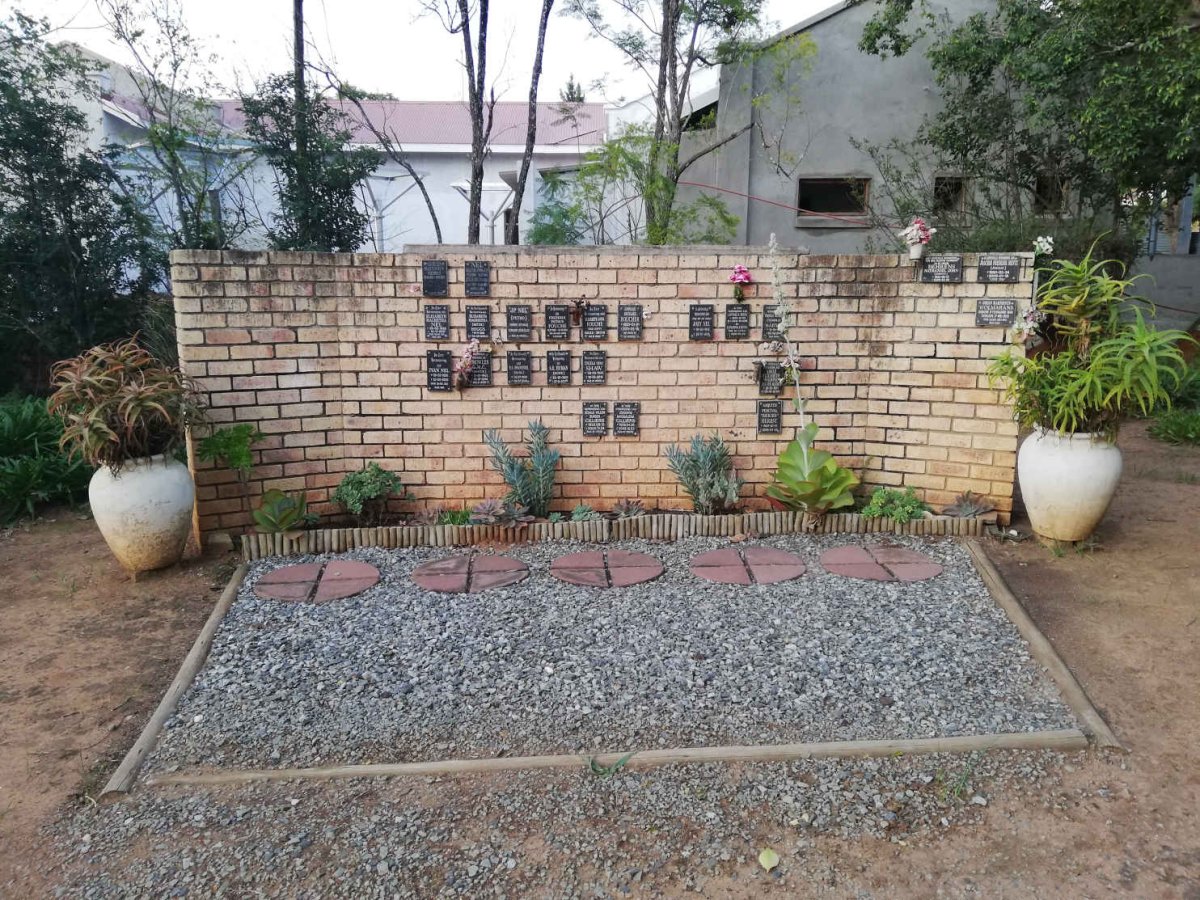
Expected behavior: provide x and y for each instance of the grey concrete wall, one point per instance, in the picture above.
(1174, 288)
(846, 94)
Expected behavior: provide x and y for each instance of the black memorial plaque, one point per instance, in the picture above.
(772, 324)
(770, 417)
(558, 367)
(995, 312)
(437, 323)
(435, 277)
(627, 419)
(479, 322)
(520, 367)
(477, 278)
(595, 322)
(770, 379)
(439, 366)
(595, 367)
(520, 323)
(481, 370)
(629, 322)
(558, 323)
(942, 268)
(999, 269)
(700, 321)
(595, 419)
(737, 321)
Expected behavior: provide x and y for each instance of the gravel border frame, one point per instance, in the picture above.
(1096, 731)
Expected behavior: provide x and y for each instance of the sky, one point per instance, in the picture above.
(385, 45)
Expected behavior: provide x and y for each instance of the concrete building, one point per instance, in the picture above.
(818, 197)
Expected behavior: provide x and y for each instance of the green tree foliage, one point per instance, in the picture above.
(317, 188)
(572, 91)
(77, 259)
(1095, 95)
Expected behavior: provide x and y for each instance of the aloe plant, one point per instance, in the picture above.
(531, 480)
(279, 512)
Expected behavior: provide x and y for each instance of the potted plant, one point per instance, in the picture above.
(125, 412)
(740, 276)
(917, 235)
(1103, 362)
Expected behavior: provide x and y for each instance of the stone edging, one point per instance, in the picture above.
(651, 527)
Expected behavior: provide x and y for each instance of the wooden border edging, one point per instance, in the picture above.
(1043, 651)
(657, 527)
(122, 779)
(1066, 739)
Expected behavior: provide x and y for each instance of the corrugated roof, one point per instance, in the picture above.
(419, 122)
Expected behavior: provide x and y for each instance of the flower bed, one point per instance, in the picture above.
(658, 527)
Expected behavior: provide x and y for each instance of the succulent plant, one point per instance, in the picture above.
(427, 516)
(584, 513)
(489, 512)
(554, 517)
(969, 506)
(628, 509)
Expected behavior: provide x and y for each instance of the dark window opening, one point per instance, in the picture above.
(949, 194)
(702, 119)
(1049, 192)
(842, 196)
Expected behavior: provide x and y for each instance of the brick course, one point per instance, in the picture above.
(326, 354)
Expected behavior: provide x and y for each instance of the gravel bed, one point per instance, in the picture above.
(399, 673)
(656, 832)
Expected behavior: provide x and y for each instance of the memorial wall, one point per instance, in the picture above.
(344, 358)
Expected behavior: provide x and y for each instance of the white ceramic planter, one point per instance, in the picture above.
(1067, 482)
(144, 511)
(916, 251)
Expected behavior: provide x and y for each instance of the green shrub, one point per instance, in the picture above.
(530, 481)
(280, 512)
(1179, 426)
(33, 470)
(898, 506)
(365, 494)
(230, 447)
(706, 472)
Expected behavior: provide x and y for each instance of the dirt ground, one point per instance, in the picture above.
(84, 657)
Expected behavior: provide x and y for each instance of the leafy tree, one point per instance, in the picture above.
(668, 41)
(557, 218)
(77, 258)
(317, 179)
(572, 91)
(185, 173)
(1095, 95)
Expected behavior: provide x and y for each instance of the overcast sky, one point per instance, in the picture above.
(383, 45)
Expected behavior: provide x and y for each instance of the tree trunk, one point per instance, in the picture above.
(512, 228)
(660, 189)
(300, 98)
(475, 60)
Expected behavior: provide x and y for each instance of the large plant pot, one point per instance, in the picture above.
(1067, 482)
(144, 511)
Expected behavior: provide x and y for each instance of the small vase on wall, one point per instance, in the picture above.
(916, 252)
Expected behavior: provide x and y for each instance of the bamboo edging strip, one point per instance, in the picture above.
(657, 527)
(1043, 651)
(1067, 739)
(122, 779)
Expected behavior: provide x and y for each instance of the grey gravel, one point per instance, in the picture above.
(543, 834)
(399, 673)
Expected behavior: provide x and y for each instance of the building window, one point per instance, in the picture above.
(949, 194)
(1049, 192)
(844, 197)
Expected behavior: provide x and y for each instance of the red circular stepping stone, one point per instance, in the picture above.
(469, 573)
(317, 582)
(880, 563)
(616, 568)
(747, 565)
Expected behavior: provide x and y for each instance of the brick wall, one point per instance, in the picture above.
(326, 354)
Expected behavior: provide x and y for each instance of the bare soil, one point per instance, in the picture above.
(83, 661)
(85, 655)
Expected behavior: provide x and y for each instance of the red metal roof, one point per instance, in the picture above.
(439, 122)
